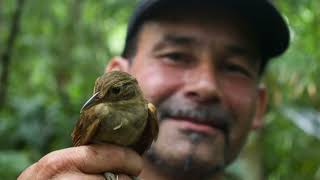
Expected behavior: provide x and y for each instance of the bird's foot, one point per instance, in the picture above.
(110, 176)
(135, 178)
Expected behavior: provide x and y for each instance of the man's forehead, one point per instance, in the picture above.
(199, 30)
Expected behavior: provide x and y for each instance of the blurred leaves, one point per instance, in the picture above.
(306, 119)
(64, 45)
(289, 144)
(62, 48)
(12, 162)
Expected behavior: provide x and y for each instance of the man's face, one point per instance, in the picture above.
(203, 77)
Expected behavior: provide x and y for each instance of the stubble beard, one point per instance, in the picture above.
(190, 167)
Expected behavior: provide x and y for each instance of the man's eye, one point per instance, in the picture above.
(175, 56)
(233, 68)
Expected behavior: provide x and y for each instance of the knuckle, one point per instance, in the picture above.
(28, 172)
(87, 151)
(82, 155)
(50, 165)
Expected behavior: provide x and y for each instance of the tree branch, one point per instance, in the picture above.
(7, 54)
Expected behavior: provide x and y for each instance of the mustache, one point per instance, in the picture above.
(210, 114)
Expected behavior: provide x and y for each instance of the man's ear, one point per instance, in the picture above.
(261, 108)
(118, 64)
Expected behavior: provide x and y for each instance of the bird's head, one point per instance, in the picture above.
(113, 86)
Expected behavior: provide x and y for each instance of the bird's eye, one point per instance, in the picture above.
(115, 90)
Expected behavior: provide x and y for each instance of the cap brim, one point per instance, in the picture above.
(263, 17)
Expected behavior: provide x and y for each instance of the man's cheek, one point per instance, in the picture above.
(245, 96)
(153, 86)
(157, 84)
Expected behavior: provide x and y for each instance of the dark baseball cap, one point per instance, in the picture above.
(263, 17)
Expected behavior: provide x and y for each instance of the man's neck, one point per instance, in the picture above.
(152, 172)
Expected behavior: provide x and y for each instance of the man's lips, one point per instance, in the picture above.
(194, 125)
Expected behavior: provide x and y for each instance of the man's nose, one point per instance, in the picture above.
(202, 85)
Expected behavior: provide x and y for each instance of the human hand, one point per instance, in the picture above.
(85, 162)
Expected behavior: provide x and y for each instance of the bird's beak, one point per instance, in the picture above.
(90, 102)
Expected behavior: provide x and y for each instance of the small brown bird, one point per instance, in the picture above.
(117, 113)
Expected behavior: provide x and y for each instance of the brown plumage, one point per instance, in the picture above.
(117, 113)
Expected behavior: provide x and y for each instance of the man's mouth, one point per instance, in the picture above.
(205, 119)
(197, 125)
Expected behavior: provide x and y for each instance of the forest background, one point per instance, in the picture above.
(52, 51)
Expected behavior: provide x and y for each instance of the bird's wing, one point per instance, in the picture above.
(150, 132)
(85, 128)
(153, 120)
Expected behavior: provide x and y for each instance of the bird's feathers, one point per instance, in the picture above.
(95, 120)
(150, 132)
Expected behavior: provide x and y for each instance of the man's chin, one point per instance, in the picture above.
(200, 156)
(187, 166)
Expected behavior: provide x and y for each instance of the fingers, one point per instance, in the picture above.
(107, 158)
(77, 176)
(26, 174)
(124, 177)
(85, 161)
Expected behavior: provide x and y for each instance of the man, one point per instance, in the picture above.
(200, 63)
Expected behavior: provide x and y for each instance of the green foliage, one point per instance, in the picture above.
(61, 49)
(64, 45)
(287, 150)
(12, 162)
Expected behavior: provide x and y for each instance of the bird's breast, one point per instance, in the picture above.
(121, 122)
